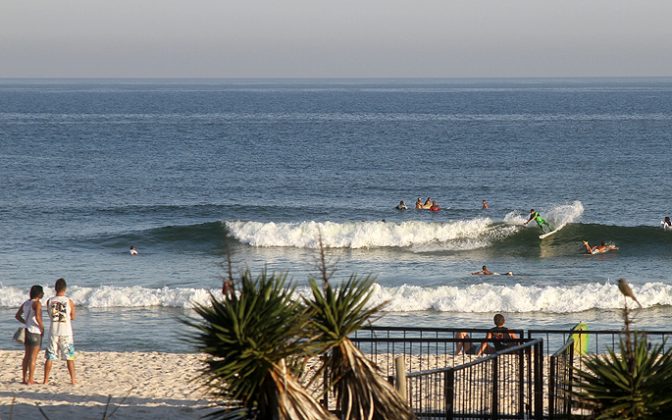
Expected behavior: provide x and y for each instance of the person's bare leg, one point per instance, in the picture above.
(71, 371)
(462, 346)
(34, 350)
(47, 370)
(25, 364)
(588, 248)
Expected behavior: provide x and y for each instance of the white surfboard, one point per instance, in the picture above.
(556, 230)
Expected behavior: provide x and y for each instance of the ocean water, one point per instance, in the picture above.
(189, 171)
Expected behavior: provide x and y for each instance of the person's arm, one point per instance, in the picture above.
(484, 344)
(19, 315)
(72, 309)
(37, 307)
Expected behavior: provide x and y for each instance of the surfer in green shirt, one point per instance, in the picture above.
(543, 224)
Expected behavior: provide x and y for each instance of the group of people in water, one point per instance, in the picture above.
(428, 204)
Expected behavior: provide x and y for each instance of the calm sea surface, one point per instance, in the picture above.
(188, 171)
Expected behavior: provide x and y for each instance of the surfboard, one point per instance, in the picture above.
(547, 234)
(581, 341)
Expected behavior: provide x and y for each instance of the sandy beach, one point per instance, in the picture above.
(157, 384)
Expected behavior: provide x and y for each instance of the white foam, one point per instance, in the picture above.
(481, 297)
(420, 236)
(557, 215)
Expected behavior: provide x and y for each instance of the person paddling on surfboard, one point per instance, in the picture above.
(599, 249)
(543, 224)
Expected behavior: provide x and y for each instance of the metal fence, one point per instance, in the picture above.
(560, 381)
(534, 379)
(505, 384)
(422, 348)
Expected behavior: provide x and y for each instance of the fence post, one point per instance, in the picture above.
(400, 378)
(539, 381)
(495, 386)
(449, 390)
(551, 388)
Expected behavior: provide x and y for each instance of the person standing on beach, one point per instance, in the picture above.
(30, 315)
(61, 311)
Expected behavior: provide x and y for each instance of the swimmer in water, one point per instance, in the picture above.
(418, 204)
(485, 272)
(485, 204)
(599, 249)
(667, 223)
(401, 206)
(133, 251)
(428, 203)
(434, 206)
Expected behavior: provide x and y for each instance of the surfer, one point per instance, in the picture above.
(485, 272)
(666, 223)
(485, 204)
(543, 224)
(133, 251)
(401, 206)
(418, 204)
(599, 249)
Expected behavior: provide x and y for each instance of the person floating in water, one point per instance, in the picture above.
(485, 272)
(418, 204)
(543, 224)
(133, 251)
(666, 223)
(401, 206)
(428, 203)
(599, 249)
(485, 204)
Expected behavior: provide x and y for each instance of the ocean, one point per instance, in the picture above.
(189, 171)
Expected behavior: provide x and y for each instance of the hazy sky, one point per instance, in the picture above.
(339, 38)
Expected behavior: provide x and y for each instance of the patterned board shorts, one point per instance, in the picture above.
(61, 347)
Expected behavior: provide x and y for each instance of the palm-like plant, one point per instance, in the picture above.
(630, 385)
(361, 390)
(616, 386)
(252, 340)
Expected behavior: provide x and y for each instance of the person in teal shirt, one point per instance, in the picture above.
(543, 224)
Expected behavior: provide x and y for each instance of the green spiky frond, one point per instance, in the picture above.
(249, 338)
(361, 390)
(631, 385)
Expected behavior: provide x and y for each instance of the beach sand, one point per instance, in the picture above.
(157, 384)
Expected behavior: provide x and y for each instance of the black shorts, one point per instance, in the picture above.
(33, 339)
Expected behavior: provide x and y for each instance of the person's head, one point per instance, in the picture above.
(401, 203)
(602, 243)
(531, 210)
(667, 219)
(36, 292)
(60, 285)
(499, 320)
(132, 247)
(485, 267)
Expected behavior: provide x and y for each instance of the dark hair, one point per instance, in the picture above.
(484, 267)
(499, 320)
(60, 285)
(36, 292)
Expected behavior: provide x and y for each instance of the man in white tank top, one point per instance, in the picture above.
(61, 346)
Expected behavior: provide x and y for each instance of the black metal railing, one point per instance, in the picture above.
(560, 381)
(505, 384)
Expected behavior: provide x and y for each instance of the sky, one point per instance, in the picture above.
(339, 38)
